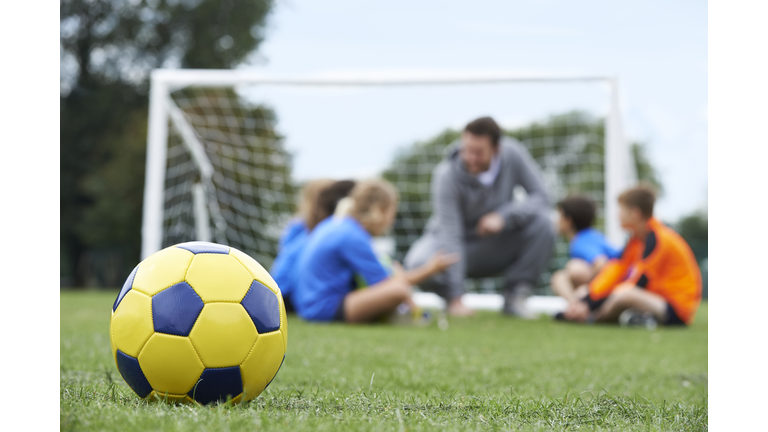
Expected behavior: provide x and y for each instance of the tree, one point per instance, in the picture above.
(111, 41)
(108, 48)
(694, 228)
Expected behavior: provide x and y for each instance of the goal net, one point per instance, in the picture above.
(220, 165)
(228, 176)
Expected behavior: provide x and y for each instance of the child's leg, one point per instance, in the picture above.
(579, 271)
(365, 305)
(562, 286)
(581, 291)
(564, 282)
(632, 298)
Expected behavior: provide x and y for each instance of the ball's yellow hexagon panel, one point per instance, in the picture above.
(170, 364)
(257, 271)
(131, 325)
(161, 270)
(112, 346)
(262, 364)
(218, 277)
(223, 334)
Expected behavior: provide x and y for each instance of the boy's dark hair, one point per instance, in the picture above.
(579, 209)
(485, 126)
(327, 201)
(642, 197)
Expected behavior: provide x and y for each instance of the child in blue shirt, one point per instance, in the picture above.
(319, 203)
(339, 257)
(588, 248)
(292, 238)
(297, 226)
(295, 229)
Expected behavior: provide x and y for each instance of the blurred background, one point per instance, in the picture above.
(657, 50)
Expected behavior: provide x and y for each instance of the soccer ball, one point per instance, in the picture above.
(198, 322)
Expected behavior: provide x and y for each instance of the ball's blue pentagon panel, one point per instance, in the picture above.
(132, 374)
(126, 287)
(263, 307)
(175, 309)
(197, 247)
(216, 384)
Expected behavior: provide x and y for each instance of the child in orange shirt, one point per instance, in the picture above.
(655, 281)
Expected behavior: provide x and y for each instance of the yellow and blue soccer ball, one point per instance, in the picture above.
(199, 322)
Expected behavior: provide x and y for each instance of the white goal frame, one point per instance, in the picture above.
(619, 169)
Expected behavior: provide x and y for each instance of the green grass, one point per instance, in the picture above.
(484, 373)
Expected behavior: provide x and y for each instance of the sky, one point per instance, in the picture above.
(657, 51)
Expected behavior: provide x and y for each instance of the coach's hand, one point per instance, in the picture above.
(439, 261)
(490, 224)
(398, 272)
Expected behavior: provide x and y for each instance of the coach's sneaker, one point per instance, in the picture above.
(515, 302)
(635, 318)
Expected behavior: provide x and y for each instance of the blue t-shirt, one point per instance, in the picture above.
(295, 228)
(283, 269)
(590, 243)
(337, 257)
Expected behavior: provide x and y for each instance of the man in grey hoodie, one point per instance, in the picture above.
(475, 216)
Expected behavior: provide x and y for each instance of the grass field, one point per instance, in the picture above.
(484, 373)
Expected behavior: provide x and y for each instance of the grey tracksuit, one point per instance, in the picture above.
(459, 200)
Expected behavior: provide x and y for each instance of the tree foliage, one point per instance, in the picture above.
(694, 228)
(122, 41)
(108, 48)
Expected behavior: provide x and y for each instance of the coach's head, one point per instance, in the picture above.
(479, 144)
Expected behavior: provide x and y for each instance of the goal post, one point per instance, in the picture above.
(202, 186)
(619, 167)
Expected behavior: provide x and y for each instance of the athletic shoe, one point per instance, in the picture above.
(403, 315)
(515, 302)
(460, 310)
(634, 318)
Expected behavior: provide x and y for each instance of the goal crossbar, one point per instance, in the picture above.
(220, 78)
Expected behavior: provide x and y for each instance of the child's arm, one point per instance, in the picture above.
(598, 263)
(436, 264)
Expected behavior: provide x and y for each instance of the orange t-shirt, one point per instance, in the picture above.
(664, 264)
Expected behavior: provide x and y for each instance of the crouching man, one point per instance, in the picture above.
(475, 217)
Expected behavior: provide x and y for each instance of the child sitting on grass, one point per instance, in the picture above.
(320, 199)
(655, 281)
(339, 257)
(297, 226)
(588, 249)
